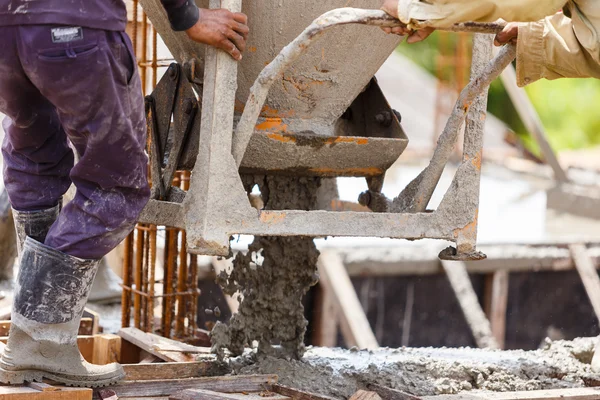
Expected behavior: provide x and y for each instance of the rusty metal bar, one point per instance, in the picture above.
(152, 279)
(137, 299)
(159, 296)
(127, 278)
(168, 303)
(144, 53)
(144, 287)
(135, 27)
(193, 321)
(154, 58)
(181, 287)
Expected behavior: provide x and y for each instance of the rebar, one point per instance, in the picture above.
(180, 287)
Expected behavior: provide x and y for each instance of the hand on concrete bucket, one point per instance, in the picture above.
(222, 29)
(414, 36)
(509, 34)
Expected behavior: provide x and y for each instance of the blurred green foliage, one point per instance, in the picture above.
(569, 108)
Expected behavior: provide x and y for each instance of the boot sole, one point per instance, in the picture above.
(32, 375)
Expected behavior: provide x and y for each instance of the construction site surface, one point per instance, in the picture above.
(267, 263)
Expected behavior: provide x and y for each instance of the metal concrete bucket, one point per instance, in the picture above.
(323, 83)
(319, 88)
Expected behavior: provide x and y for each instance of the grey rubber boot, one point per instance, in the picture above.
(51, 291)
(596, 359)
(34, 224)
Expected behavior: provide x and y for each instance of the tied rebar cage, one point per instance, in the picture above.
(160, 278)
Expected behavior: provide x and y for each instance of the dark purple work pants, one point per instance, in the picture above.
(86, 91)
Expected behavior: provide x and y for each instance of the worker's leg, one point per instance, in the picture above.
(89, 76)
(37, 157)
(91, 79)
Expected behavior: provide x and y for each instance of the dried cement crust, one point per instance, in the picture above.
(272, 277)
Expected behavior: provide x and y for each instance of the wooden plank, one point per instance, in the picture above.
(298, 394)
(467, 299)
(364, 395)
(165, 349)
(325, 332)
(354, 323)
(86, 327)
(532, 121)
(4, 328)
(199, 394)
(589, 275)
(95, 318)
(27, 393)
(511, 258)
(557, 394)
(86, 347)
(223, 384)
(496, 302)
(166, 371)
(391, 394)
(107, 394)
(107, 349)
(147, 358)
(225, 265)
(42, 387)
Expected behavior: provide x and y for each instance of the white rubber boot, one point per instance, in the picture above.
(50, 294)
(596, 359)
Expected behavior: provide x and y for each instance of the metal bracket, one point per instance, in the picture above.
(172, 100)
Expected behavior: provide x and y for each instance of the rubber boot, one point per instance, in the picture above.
(51, 291)
(596, 359)
(36, 224)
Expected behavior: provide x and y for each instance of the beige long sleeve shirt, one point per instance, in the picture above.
(561, 45)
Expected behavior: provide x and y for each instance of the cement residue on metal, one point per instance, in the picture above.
(272, 277)
(430, 371)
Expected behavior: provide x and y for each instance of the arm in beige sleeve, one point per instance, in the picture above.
(560, 47)
(444, 13)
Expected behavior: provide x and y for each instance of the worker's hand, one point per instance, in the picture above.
(509, 34)
(222, 29)
(391, 7)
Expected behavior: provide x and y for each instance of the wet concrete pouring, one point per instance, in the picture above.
(274, 275)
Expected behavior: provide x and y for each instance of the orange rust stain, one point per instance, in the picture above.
(476, 161)
(271, 218)
(252, 49)
(269, 112)
(368, 171)
(272, 124)
(469, 231)
(281, 138)
(344, 139)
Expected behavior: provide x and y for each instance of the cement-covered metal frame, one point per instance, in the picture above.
(217, 205)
